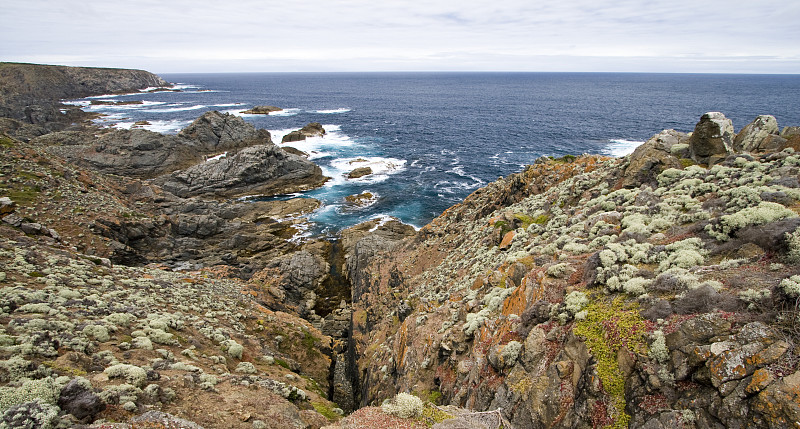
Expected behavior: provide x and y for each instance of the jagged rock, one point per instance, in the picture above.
(217, 132)
(712, 139)
(258, 170)
(13, 220)
(301, 273)
(759, 135)
(312, 129)
(80, 401)
(32, 228)
(359, 172)
(651, 158)
(262, 110)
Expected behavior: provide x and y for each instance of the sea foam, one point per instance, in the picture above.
(621, 147)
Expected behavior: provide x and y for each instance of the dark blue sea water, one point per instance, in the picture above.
(433, 138)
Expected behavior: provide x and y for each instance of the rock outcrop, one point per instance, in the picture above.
(653, 157)
(761, 135)
(359, 172)
(145, 154)
(712, 139)
(256, 170)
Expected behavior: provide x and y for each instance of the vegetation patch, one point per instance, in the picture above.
(608, 328)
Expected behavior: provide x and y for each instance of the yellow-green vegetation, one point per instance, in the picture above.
(432, 415)
(541, 219)
(609, 327)
(432, 396)
(62, 369)
(309, 341)
(325, 410)
(5, 141)
(25, 195)
(282, 363)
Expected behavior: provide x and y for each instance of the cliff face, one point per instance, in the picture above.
(30, 92)
(566, 299)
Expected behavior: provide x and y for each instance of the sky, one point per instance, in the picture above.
(176, 36)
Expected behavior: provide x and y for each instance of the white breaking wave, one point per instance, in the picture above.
(316, 147)
(164, 127)
(141, 106)
(381, 167)
(332, 111)
(177, 109)
(621, 147)
(220, 156)
(286, 112)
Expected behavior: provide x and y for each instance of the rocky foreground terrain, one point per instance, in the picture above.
(657, 290)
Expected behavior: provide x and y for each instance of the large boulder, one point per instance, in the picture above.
(257, 170)
(759, 136)
(653, 157)
(78, 399)
(712, 139)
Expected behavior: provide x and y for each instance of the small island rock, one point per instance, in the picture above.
(262, 110)
(359, 172)
(312, 129)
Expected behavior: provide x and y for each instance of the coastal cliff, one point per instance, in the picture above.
(30, 92)
(655, 290)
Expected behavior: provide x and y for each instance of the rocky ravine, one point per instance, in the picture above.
(656, 290)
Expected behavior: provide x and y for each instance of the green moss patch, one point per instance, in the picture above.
(608, 328)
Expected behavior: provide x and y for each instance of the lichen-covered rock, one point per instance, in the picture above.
(712, 139)
(758, 135)
(651, 158)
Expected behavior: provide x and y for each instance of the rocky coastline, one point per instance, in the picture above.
(137, 289)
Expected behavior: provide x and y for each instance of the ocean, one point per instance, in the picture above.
(433, 138)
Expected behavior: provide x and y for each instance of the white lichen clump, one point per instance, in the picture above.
(405, 406)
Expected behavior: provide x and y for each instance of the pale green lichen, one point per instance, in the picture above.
(791, 286)
(765, 212)
(45, 390)
(133, 374)
(404, 405)
(658, 348)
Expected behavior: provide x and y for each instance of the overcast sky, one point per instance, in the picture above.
(753, 36)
